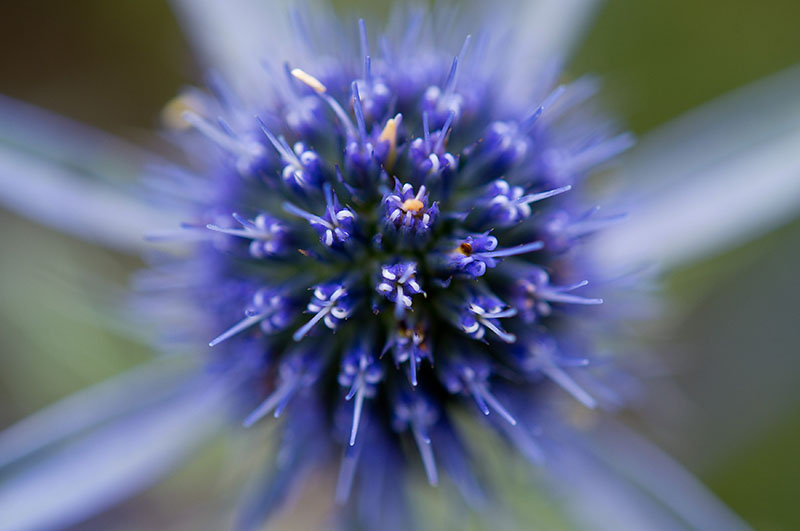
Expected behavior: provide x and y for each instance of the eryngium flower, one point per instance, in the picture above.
(387, 240)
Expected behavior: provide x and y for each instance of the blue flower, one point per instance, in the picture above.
(394, 235)
(431, 198)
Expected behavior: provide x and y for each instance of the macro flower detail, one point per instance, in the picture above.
(507, 205)
(330, 304)
(389, 243)
(269, 309)
(533, 294)
(416, 209)
(398, 284)
(268, 235)
(409, 211)
(481, 312)
(478, 252)
(335, 226)
(360, 372)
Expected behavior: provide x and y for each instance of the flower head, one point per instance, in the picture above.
(398, 225)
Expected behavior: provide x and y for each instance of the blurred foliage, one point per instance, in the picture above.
(113, 64)
(110, 64)
(663, 58)
(761, 480)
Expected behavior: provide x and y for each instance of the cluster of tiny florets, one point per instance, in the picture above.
(394, 243)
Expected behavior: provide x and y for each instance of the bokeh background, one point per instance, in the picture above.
(733, 349)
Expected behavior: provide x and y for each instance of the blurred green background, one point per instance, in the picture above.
(733, 351)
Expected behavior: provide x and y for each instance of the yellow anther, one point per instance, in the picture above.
(309, 80)
(390, 133)
(172, 115)
(413, 205)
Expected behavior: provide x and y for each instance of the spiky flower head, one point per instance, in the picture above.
(387, 240)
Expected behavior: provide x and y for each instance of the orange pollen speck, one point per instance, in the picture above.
(412, 205)
(465, 249)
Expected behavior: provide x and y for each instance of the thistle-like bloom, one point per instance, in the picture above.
(390, 225)
(386, 240)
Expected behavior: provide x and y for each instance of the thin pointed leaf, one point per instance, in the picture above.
(547, 32)
(67, 143)
(88, 408)
(713, 179)
(71, 202)
(233, 38)
(646, 465)
(552, 28)
(73, 178)
(111, 464)
(616, 480)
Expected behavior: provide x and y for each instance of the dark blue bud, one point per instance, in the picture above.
(270, 309)
(482, 311)
(269, 236)
(409, 211)
(398, 283)
(335, 226)
(331, 304)
(416, 412)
